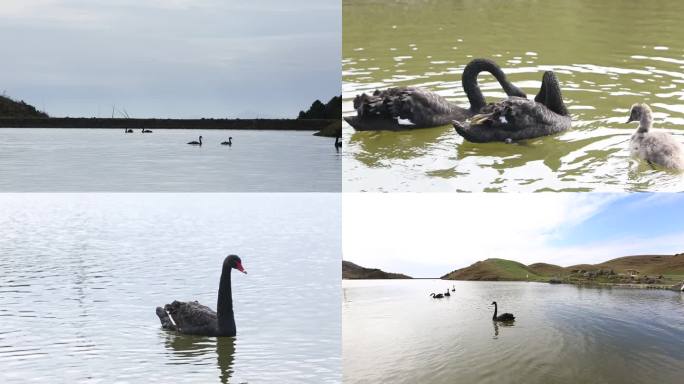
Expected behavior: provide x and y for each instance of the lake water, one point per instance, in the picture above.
(81, 275)
(607, 55)
(393, 332)
(85, 160)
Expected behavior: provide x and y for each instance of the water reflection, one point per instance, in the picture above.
(189, 349)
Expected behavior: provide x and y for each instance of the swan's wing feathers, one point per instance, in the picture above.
(191, 314)
(377, 104)
(426, 108)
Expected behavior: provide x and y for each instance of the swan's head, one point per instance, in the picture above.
(234, 261)
(638, 111)
(493, 303)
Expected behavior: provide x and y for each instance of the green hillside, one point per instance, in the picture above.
(662, 270)
(493, 270)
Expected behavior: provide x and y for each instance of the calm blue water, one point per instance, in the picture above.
(81, 275)
(108, 160)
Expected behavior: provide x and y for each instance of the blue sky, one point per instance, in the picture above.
(636, 216)
(427, 235)
(171, 58)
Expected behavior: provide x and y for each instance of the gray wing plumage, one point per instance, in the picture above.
(419, 106)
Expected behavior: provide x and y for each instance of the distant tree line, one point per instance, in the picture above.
(330, 110)
(18, 109)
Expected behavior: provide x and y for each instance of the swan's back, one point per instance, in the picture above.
(505, 317)
(420, 107)
(659, 148)
(515, 118)
(192, 317)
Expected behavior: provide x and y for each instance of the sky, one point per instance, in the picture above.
(429, 235)
(170, 58)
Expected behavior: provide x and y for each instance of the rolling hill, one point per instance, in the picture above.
(649, 264)
(494, 270)
(508, 270)
(353, 271)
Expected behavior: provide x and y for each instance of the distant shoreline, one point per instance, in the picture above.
(119, 123)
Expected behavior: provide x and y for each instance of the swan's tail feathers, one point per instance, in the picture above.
(166, 319)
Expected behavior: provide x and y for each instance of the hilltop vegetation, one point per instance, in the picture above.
(18, 109)
(330, 110)
(353, 271)
(641, 269)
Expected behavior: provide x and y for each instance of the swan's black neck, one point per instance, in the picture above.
(224, 306)
(495, 309)
(550, 94)
(472, 89)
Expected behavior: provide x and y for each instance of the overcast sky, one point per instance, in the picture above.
(428, 235)
(170, 58)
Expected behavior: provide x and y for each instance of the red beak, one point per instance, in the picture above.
(239, 267)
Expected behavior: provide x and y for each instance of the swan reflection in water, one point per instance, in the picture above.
(503, 325)
(190, 349)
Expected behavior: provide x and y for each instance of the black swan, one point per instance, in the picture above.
(437, 296)
(196, 319)
(146, 131)
(453, 288)
(128, 130)
(518, 118)
(447, 293)
(228, 143)
(659, 148)
(422, 108)
(338, 143)
(503, 316)
(194, 142)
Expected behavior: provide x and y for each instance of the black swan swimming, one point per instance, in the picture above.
(503, 316)
(194, 318)
(228, 143)
(437, 296)
(146, 131)
(453, 288)
(194, 142)
(422, 108)
(128, 130)
(659, 148)
(518, 118)
(447, 293)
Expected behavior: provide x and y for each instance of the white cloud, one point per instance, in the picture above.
(431, 234)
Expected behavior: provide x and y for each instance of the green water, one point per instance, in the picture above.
(607, 55)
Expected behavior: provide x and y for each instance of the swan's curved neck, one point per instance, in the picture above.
(224, 306)
(495, 310)
(472, 89)
(646, 121)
